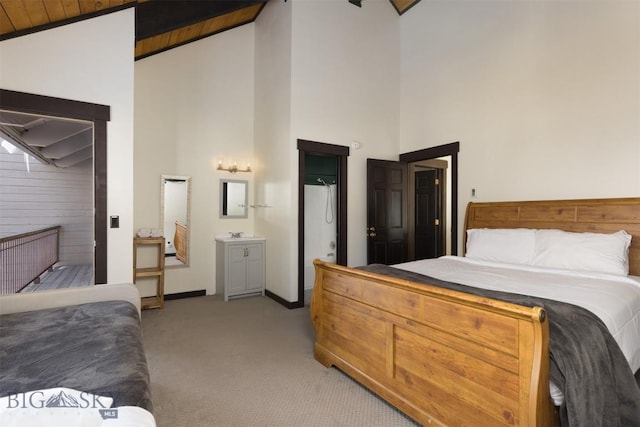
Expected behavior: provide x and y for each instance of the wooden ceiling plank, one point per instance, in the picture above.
(213, 25)
(199, 30)
(228, 20)
(152, 44)
(55, 10)
(37, 12)
(88, 6)
(101, 4)
(17, 13)
(163, 40)
(5, 23)
(403, 5)
(252, 11)
(71, 8)
(190, 32)
(139, 48)
(142, 47)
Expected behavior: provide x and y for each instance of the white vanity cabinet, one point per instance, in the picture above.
(240, 266)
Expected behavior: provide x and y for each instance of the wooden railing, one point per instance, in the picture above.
(24, 257)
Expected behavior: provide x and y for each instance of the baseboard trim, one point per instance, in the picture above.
(282, 301)
(181, 295)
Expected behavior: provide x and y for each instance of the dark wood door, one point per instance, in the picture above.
(386, 212)
(429, 221)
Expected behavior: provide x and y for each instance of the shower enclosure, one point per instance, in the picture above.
(320, 222)
(322, 210)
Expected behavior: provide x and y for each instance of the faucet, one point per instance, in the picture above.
(236, 235)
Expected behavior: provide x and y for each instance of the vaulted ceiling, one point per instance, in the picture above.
(160, 25)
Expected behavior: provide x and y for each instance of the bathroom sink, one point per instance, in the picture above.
(232, 237)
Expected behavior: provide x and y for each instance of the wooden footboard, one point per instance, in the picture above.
(442, 357)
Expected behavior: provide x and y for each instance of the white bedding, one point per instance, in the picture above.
(614, 299)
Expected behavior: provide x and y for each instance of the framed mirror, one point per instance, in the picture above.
(175, 209)
(233, 198)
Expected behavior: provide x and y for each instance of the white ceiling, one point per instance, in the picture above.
(60, 142)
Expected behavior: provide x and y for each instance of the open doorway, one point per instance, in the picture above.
(95, 114)
(428, 208)
(433, 158)
(393, 198)
(322, 210)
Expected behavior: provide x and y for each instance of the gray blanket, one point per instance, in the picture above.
(586, 362)
(95, 348)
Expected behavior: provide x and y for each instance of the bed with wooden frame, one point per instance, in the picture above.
(379, 330)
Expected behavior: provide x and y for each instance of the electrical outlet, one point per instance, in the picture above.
(115, 221)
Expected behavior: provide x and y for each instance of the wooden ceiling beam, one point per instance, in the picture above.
(160, 24)
(162, 42)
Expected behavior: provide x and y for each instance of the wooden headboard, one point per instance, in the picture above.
(588, 215)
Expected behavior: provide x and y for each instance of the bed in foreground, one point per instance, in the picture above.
(448, 354)
(72, 357)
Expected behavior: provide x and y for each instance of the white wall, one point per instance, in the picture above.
(327, 71)
(544, 97)
(193, 108)
(345, 75)
(273, 154)
(90, 61)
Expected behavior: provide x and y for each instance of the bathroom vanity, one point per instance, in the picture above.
(240, 266)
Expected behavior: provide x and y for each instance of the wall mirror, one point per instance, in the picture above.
(175, 206)
(233, 198)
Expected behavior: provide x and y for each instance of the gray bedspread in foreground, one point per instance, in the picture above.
(586, 362)
(95, 348)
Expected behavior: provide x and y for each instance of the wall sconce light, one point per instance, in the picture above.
(233, 168)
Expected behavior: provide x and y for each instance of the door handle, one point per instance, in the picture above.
(371, 231)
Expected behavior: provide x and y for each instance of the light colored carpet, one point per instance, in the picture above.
(249, 362)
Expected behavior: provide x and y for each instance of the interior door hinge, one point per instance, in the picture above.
(437, 181)
(437, 222)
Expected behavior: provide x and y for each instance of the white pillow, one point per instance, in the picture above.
(506, 245)
(598, 252)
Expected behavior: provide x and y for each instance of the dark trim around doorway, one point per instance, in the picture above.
(341, 152)
(99, 115)
(452, 150)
